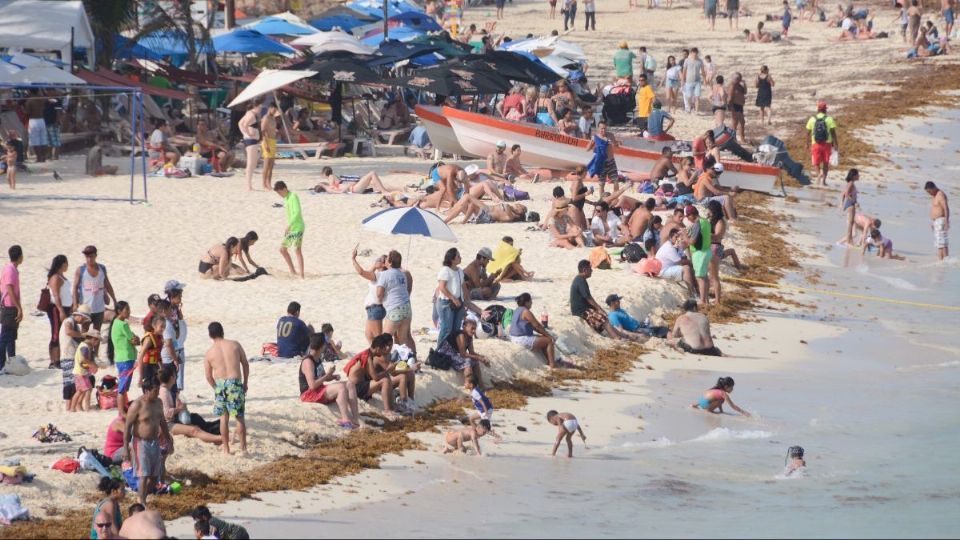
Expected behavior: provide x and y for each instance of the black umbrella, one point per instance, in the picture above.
(454, 79)
(395, 51)
(514, 66)
(342, 66)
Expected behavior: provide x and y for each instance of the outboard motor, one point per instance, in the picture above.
(773, 151)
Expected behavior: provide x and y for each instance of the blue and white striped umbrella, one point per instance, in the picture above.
(409, 221)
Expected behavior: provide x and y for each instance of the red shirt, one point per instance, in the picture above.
(362, 358)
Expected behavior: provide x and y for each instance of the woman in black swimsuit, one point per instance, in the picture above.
(215, 262)
(765, 94)
(579, 197)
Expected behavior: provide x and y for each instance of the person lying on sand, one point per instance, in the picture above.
(453, 440)
(173, 407)
(567, 424)
(474, 211)
(714, 398)
(884, 246)
(761, 35)
(368, 183)
(691, 332)
(453, 182)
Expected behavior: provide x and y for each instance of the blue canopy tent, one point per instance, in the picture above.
(343, 22)
(416, 20)
(278, 26)
(126, 49)
(374, 10)
(401, 33)
(246, 41)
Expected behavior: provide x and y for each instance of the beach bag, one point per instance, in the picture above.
(17, 365)
(438, 360)
(491, 320)
(650, 266)
(44, 303)
(820, 131)
(514, 194)
(107, 399)
(834, 158)
(600, 259)
(270, 349)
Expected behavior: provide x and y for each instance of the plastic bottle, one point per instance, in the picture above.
(545, 318)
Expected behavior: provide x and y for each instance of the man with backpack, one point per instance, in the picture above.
(92, 287)
(823, 138)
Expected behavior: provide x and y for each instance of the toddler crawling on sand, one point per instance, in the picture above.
(453, 440)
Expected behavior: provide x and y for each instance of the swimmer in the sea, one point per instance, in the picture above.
(884, 246)
(714, 398)
(794, 462)
(567, 425)
(453, 440)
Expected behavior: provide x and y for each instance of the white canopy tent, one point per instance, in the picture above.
(46, 25)
(37, 75)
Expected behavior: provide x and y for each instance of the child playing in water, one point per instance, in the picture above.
(796, 462)
(884, 246)
(567, 425)
(453, 440)
(714, 398)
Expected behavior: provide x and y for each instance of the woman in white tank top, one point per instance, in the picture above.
(61, 302)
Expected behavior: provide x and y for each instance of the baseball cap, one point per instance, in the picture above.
(821, 105)
(690, 210)
(173, 285)
(471, 170)
(90, 250)
(501, 144)
(613, 298)
(718, 167)
(486, 253)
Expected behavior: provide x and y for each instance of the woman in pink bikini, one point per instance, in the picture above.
(714, 398)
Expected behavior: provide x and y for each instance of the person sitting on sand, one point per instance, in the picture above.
(94, 164)
(293, 335)
(623, 322)
(567, 424)
(368, 183)
(369, 374)
(605, 226)
(708, 188)
(474, 211)
(883, 245)
(691, 332)
(173, 408)
(213, 147)
(664, 168)
(479, 284)
(584, 306)
(513, 168)
(219, 528)
(507, 262)
(215, 263)
(458, 346)
(332, 351)
(453, 440)
(453, 182)
(564, 232)
(527, 331)
(316, 386)
(714, 398)
(497, 160)
(107, 517)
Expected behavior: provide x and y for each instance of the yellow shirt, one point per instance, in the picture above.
(645, 97)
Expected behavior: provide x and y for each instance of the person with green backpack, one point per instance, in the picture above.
(823, 140)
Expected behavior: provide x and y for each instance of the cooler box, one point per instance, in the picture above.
(193, 164)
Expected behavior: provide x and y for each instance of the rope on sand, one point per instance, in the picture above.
(845, 295)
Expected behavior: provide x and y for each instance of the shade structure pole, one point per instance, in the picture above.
(386, 25)
(133, 102)
(143, 144)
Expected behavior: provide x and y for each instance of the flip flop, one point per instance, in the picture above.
(345, 424)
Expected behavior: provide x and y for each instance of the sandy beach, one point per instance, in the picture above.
(144, 245)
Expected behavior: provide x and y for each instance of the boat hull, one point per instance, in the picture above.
(546, 147)
(441, 133)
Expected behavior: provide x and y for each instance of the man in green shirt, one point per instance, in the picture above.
(293, 238)
(623, 61)
(700, 233)
(124, 352)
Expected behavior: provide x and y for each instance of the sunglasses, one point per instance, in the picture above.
(103, 525)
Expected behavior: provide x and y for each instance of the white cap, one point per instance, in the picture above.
(501, 144)
(471, 170)
(718, 167)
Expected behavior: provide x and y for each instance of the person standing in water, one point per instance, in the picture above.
(848, 202)
(603, 166)
(714, 398)
(293, 237)
(940, 219)
(567, 424)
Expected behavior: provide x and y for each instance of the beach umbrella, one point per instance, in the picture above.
(410, 222)
(279, 26)
(341, 17)
(401, 33)
(447, 46)
(342, 66)
(246, 41)
(514, 66)
(454, 79)
(374, 9)
(395, 51)
(416, 20)
(333, 41)
(269, 80)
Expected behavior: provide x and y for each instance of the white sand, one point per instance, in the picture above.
(143, 246)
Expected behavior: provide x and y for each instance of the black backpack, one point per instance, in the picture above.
(633, 253)
(820, 131)
(438, 360)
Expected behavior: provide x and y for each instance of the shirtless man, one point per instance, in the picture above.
(268, 127)
(251, 140)
(453, 182)
(515, 169)
(940, 219)
(146, 524)
(474, 211)
(865, 224)
(664, 167)
(708, 188)
(37, 127)
(145, 426)
(673, 223)
(370, 375)
(453, 440)
(480, 285)
(497, 160)
(639, 220)
(227, 372)
(691, 332)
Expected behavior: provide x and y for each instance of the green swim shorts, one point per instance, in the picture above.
(701, 262)
(229, 398)
(293, 240)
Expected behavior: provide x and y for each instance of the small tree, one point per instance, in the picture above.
(107, 19)
(175, 17)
